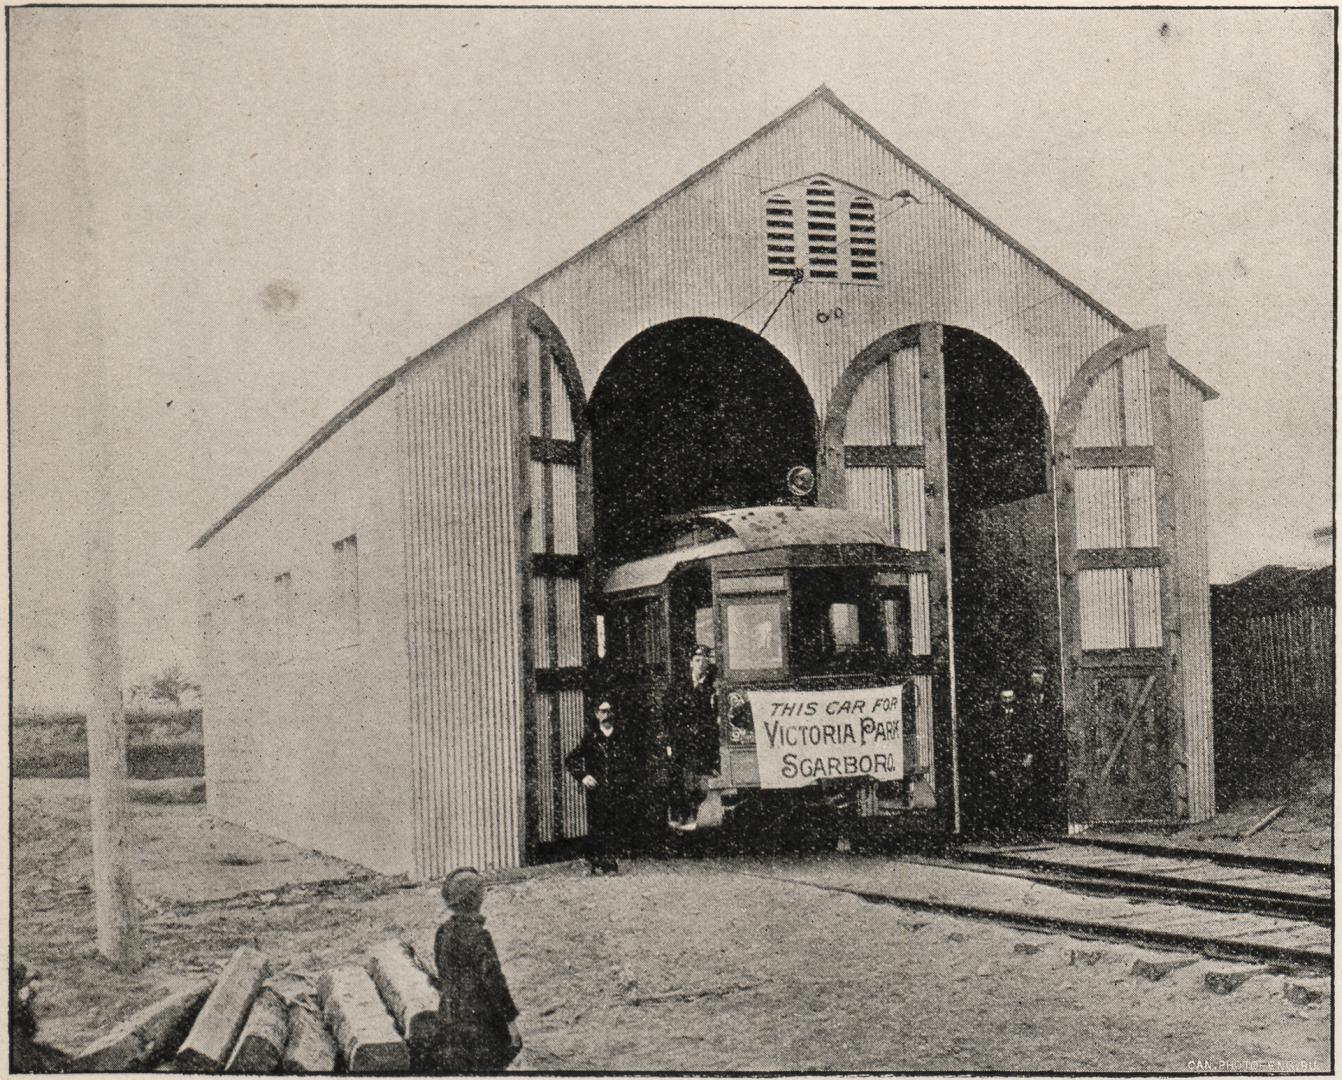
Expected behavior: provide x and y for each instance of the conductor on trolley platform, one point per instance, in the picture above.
(690, 737)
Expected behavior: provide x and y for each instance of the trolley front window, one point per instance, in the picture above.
(754, 635)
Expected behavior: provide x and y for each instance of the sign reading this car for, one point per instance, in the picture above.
(802, 736)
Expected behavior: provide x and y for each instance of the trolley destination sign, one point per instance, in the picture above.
(802, 736)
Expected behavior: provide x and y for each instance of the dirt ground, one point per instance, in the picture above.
(682, 964)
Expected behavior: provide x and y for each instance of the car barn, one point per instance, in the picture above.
(833, 424)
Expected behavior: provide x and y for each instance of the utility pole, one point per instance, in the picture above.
(114, 897)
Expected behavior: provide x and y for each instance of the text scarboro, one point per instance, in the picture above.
(802, 736)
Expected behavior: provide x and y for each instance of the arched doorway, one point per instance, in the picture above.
(1004, 586)
(689, 414)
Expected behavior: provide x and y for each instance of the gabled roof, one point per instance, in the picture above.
(821, 93)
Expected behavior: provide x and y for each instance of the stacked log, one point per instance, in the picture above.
(405, 987)
(263, 1038)
(357, 1017)
(148, 1038)
(379, 1020)
(207, 1047)
(310, 1048)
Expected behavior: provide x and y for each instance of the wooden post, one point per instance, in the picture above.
(216, 1029)
(359, 1020)
(406, 991)
(310, 1048)
(114, 898)
(263, 1037)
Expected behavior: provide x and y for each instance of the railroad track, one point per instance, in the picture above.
(1213, 880)
(1182, 901)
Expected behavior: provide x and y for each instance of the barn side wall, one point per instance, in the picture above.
(307, 732)
(703, 253)
(460, 422)
(1190, 496)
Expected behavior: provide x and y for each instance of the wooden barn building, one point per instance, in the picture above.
(397, 620)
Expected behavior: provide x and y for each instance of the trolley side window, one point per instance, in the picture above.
(634, 637)
(893, 592)
(837, 624)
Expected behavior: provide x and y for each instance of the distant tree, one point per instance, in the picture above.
(170, 686)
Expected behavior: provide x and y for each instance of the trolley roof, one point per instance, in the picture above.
(755, 528)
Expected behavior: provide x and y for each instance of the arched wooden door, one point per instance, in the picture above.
(884, 454)
(1120, 607)
(558, 624)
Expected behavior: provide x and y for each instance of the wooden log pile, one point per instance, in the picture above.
(378, 1018)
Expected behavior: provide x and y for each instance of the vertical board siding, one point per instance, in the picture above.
(461, 417)
(1194, 594)
(911, 500)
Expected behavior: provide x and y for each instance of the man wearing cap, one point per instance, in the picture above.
(1010, 761)
(601, 763)
(690, 736)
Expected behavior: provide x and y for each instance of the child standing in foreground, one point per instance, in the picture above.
(476, 1016)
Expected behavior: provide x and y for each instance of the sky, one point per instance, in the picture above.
(249, 216)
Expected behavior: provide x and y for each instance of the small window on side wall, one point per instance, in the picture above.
(346, 591)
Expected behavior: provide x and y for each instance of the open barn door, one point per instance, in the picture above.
(885, 456)
(1120, 622)
(557, 616)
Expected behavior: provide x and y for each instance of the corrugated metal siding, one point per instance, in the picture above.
(703, 253)
(907, 397)
(571, 723)
(543, 706)
(911, 500)
(869, 414)
(460, 416)
(308, 738)
(870, 492)
(1146, 628)
(1099, 509)
(923, 725)
(565, 479)
(1104, 607)
(1195, 615)
(920, 615)
(1141, 517)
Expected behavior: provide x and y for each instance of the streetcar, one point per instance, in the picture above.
(807, 613)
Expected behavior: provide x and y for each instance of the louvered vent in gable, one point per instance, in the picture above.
(862, 239)
(781, 233)
(822, 230)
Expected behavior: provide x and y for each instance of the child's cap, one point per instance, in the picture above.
(464, 889)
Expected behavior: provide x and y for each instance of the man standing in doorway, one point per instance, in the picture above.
(690, 737)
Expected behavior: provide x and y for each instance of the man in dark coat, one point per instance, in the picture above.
(689, 726)
(477, 1019)
(601, 763)
(1010, 767)
(1042, 725)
